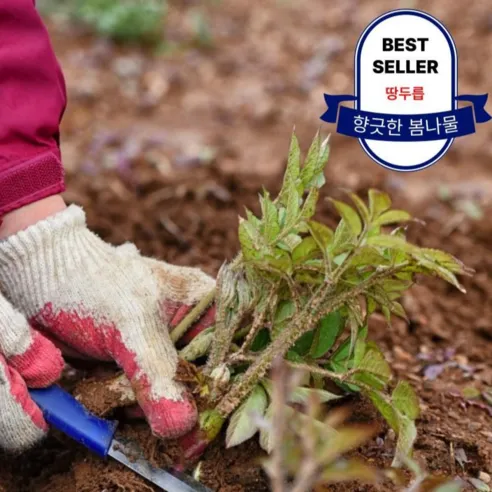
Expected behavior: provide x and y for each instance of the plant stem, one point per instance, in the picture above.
(278, 348)
(317, 307)
(255, 328)
(238, 358)
(193, 316)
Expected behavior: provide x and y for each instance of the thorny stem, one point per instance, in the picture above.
(187, 322)
(314, 310)
(242, 332)
(224, 339)
(238, 358)
(261, 365)
(221, 334)
(255, 328)
(293, 292)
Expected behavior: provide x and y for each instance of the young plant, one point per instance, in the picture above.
(298, 286)
(301, 291)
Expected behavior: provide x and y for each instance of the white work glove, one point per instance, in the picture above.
(26, 358)
(108, 303)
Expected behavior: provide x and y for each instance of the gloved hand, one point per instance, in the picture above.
(26, 357)
(108, 303)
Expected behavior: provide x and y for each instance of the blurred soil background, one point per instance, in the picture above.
(175, 126)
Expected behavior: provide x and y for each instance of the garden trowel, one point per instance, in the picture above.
(62, 411)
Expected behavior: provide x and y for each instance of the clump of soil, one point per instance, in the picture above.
(102, 395)
(239, 470)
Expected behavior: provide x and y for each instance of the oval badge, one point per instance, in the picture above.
(405, 103)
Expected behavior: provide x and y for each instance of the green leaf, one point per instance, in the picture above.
(293, 356)
(293, 162)
(292, 171)
(261, 340)
(397, 309)
(280, 262)
(342, 352)
(271, 226)
(307, 249)
(441, 272)
(327, 333)
(281, 216)
(292, 210)
(316, 173)
(319, 180)
(407, 433)
(309, 207)
(322, 234)
(445, 260)
(349, 215)
(324, 153)
(242, 423)
(255, 221)
(368, 255)
(290, 242)
(391, 217)
(343, 238)
(309, 278)
(405, 400)
(304, 343)
(251, 240)
(246, 239)
(285, 310)
(361, 207)
(385, 409)
(371, 305)
(355, 320)
(379, 202)
(369, 380)
(311, 163)
(387, 314)
(392, 242)
(339, 259)
(359, 351)
(375, 363)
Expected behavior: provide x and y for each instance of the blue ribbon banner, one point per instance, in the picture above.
(406, 127)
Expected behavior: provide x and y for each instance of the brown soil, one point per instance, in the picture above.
(135, 136)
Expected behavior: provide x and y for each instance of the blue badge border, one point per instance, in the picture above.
(454, 83)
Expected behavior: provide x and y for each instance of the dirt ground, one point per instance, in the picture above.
(166, 149)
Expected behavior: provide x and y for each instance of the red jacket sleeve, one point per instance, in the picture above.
(32, 101)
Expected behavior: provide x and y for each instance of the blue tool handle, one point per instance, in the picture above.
(65, 413)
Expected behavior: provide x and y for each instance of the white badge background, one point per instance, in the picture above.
(438, 88)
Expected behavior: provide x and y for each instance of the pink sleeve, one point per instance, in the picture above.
(32, 102)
